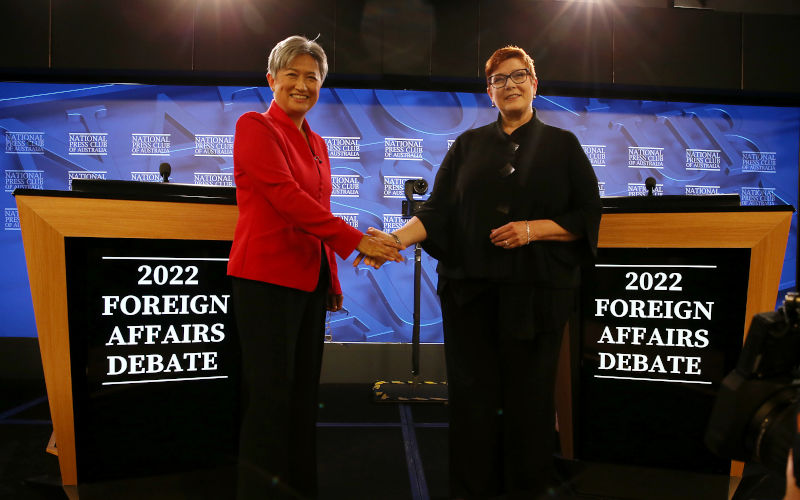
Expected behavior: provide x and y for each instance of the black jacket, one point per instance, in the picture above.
(486, 180)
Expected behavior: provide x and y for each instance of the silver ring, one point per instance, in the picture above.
(506, 242)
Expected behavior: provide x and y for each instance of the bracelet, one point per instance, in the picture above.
(396, 239)
(528, 232)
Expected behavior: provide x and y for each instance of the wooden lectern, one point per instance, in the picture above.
(154, 211)
(668, 231)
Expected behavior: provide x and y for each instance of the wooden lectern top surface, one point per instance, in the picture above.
(140, 191)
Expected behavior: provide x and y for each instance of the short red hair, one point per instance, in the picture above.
(509, 52)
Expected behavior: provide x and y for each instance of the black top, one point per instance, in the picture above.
(489, 178)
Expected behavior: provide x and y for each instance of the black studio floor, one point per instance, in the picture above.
(367, 450)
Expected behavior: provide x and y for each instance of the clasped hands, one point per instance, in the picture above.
(377, 260)
(512, 235)
(376, 247)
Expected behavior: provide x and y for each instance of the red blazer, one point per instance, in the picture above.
(284, 195)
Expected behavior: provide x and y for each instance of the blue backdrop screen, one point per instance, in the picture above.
(377, 139)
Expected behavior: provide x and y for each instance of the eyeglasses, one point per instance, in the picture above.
(499, 80)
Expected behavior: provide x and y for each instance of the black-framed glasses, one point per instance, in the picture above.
(499, 80)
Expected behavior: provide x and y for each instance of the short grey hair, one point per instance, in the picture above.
(286, 50)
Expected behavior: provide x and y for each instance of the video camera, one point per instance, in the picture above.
(413, 187)
(754, 418)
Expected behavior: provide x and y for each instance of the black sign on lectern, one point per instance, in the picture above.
(660, 329)
(154, 356)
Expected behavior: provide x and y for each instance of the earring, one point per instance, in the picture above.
(493, 104)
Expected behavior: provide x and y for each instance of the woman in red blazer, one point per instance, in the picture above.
(284, 277)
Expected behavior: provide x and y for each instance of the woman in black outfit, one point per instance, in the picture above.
(514, 211)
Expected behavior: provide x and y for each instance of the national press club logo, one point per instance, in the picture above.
(343, 148)
(601, 186)
(639, 189)
(392, 222)
(394, 186)
(757, 196)
(213, 145)
(146, 176)
(760, 161)
(596, 153)
(88, 143)
(396, 148)
(645, 157)
(150, 144)
(350, 217)
(693, 190)
(345, 185)
(709, 160)
(84, 174)
(24, 179)
(24, 143)
(11, 219)
(213, 179)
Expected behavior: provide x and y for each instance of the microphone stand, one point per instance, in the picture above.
(415, 328)
(415, 391)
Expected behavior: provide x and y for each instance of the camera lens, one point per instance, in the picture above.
(771, 436)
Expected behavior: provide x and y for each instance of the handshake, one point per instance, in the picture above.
(377, 247)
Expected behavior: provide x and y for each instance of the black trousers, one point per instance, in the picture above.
(281, 332)
(501, 400)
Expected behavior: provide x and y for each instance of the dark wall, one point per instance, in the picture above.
(569, 41)
(122, 35)
(25, 37)
(574, 43)
(677, 48)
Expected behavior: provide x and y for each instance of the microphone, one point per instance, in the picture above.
(650, 184)
(164, 170)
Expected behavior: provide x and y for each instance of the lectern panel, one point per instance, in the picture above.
(660, 329)
(154, 356)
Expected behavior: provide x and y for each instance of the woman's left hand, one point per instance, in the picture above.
(335, 301)
(512, 235)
